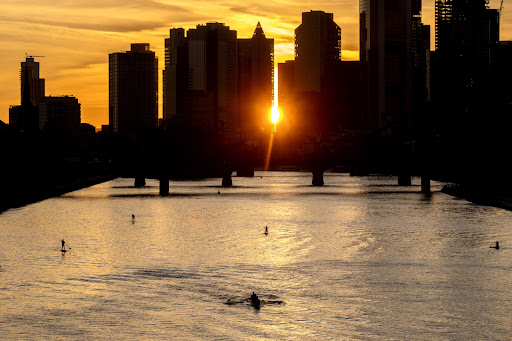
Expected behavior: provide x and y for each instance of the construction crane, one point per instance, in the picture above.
(27, 56)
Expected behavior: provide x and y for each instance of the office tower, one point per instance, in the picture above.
(24, 117)
(175, 74)
(286, 93)
(317, 46)
(255, 81)
(36, 84)
(467, 36)
(395, 57)
(308, 103)
(212, 84)
(387, 57)
(503, 73)
(60, 114)
(133, 90)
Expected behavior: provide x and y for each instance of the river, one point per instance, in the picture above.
(357, 259)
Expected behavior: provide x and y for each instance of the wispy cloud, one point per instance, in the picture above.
(76, 36)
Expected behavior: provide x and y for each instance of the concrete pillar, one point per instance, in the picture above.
(425, 183)
(140, 181)
(404, 180)
(164, 186)
(318, 178)
(226, 180)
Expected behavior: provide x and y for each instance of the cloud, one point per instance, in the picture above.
(107, 15)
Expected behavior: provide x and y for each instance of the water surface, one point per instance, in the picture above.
(359, 258)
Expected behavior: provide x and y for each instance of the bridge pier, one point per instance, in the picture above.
(164, 186)
(226, 180)
(318, 178)
(140, 181)
(404, 180)
(425, 183)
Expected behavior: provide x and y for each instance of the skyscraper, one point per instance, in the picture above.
(200, 78)
(212, 65)
(307, 102)
(32, 88)
(36, 84)
(467, 36)
(175, 74)
(387, 59)
(60, 113)
(133, 90)
(468, 118)
(255, 81)
(317, 45)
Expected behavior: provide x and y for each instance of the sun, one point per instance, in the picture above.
(274, 115)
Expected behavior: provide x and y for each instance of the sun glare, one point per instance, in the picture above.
(274, 115)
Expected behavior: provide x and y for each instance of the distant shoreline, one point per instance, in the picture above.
(496, 199)
(26, 197)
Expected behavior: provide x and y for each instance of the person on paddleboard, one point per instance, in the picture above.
(63, 244)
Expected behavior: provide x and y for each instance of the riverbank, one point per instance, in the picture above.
(488, 198)
(20, 197)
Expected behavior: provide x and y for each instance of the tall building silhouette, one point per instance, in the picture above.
(389, 50)
(175, 74)
(201, 78)
(286, 93)
(60, 114)
(133, 90)
(36, 84)
(32, 88)
(317, 45)
(467, 36)
(467, 117)
(213, 77)
(311, 88)
(255, 81)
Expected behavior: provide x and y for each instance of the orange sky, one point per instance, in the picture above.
(76, 36)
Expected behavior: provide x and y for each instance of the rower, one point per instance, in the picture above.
(497, 246)
(255, 299)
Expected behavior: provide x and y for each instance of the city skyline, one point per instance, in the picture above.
(76, 50)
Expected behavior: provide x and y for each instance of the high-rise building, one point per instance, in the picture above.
(307, 85)
(212, 66)
(133, 90)
(24, 117)
(467, 36)
(36, 84)
(317, 45)
(255, 81)
(286, 84)
(61, 114)
(175, 74)
(393, 55)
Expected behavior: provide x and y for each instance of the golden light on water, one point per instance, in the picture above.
(274, 114)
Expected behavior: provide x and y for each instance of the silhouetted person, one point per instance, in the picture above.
(497, 246)
(63, 244)
(133, 217)
(255, 301)
(266, 229)
(218, 192)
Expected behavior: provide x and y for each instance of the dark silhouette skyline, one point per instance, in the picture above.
(402, 109)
